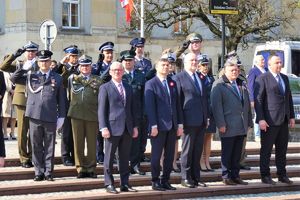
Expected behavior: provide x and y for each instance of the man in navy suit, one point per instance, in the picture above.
(118, 126)
(194, 103)
(165, 120)
(274, 109)
(257, 70)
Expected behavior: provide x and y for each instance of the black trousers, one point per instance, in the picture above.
(164, 140)
(143, 136)
(231, 155)
(191, 150)
(277, 135)
(2, 145)
(122, 143)
(100, 147)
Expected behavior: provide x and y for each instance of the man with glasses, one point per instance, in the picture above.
(118, 125)
(29, 64)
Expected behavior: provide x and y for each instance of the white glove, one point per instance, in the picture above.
(59, 123)
(28, 64)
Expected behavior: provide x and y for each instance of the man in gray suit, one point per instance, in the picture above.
(118, 126)
(45, 109)
(232, 112)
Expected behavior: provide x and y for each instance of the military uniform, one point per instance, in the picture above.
(46, 111)
(10, 64)
(136, 79)
(83, 113)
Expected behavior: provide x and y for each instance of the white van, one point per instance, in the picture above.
(288, 51)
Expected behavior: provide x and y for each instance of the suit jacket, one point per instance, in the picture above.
(138, 87)
(194, 104)
(18, 77)
(45, 100)
(229, 109)
(252, 75)
(2, 87)
(112, 114)
(159, 110)
(144, 65)
(270, 104)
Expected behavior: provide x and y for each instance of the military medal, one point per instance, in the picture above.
(53, 82)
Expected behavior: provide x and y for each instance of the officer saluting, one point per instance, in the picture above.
(141, 63)
(83, 91)
(20, 69)
(137, 80)
(46, 111)
(66, 67)
(101, 68)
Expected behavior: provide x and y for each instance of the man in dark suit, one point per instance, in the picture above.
(255, 71)
(144, 65)
(46, 111)
(165, 120)
(101, 68)
(118, 125)
(136, 79)
(274, 110)
(193, 98)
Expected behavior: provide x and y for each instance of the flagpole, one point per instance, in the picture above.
(142, 19)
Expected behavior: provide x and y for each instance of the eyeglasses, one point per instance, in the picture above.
(116, 70)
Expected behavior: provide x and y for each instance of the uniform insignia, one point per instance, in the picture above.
(43, 53)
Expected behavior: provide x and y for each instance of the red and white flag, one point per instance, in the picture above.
(128, 5)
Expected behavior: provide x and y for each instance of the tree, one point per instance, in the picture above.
(259, 17)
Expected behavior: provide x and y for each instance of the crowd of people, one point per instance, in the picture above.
(107, 110)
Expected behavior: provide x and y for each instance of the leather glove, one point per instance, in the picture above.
(60, 122)
(186, 44)
(19, 52)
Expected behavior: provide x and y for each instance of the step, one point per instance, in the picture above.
(146, 193)
(18, 173)
(10, 162)
(74, 184)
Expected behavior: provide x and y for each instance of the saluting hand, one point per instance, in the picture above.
(135, 132)
(105, 133)
(263, 125)
(65, 59)
(179, 131)
(154, 132)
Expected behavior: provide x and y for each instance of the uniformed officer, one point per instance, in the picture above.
(46, 111)
(195, 44)
(83, 90)
(144, 65)
(66, 67)
(136, 79)
(10, 64)
(101, 68)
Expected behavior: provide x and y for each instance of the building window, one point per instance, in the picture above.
(181, 26)
(71, 14)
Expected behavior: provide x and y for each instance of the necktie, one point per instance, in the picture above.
(281, 89)
(196, 83)
(166, 89)
(235, 89)
(121, 91)
(44, 77)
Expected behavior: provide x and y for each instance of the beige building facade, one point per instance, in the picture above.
(88, 23)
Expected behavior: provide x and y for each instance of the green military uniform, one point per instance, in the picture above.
(19, 99)
(84, 118)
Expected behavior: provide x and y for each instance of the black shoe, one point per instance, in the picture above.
(199, 183)
(268, 180)
(245, 167)
(239, 181)
(12, 136)
(157, 186)
(91, 175)
(168, 186)
(285, 179)
(187, 183)
(136, 170)
(145, 159)
(100, 162)
(27, 164)
(203, 170)
(210, 170)
(228, 181)
(39, 178)
(176, 170)
(68, 163)
(111, 189)
(49, 178)
(81, 175)
(127, 188)
(5, 138)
